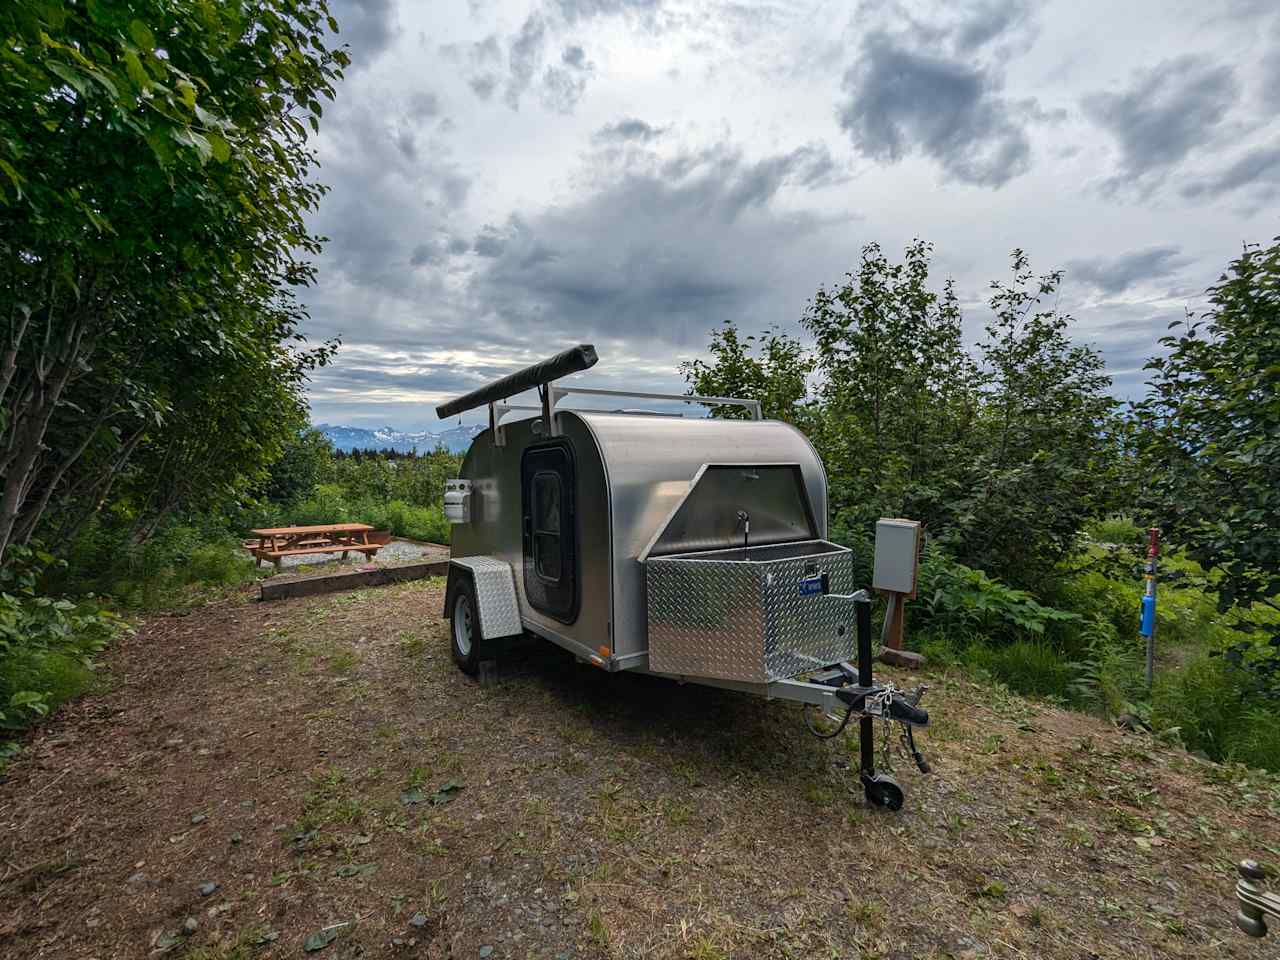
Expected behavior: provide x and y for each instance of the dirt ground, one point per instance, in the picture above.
(256, 779)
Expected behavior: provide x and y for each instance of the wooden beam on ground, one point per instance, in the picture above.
(349, 580)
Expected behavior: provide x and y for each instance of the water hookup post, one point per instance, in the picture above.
(1148, 619)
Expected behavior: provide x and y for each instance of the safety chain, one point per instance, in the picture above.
(886, 758)
(881, 699)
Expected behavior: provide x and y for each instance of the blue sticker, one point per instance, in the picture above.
(811, 586)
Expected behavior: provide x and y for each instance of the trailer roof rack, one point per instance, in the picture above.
(540, 376)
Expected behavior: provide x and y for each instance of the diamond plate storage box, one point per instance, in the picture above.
(739, 614)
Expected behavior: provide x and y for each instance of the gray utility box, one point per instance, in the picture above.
(740, 614)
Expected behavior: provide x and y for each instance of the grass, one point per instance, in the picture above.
(1028, 666)
(331, 801)
(246, 945)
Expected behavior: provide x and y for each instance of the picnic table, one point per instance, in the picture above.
(275, 543)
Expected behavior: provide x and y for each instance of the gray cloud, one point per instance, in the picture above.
(933, 85)
(424, 254)
(480, 62)
(437, 252)
(990, 20)
(483, 85)
(367, 26)
(1128, 335)
(1259, 168)
(395, 195)
(486, 50)
(627, 129)
(1115, 275)
(489, 243)
(563, 86)
(562, 89)
(576, 10)
(1271, 73)
(1167, 112)
(423, 105)
(950, 110)
(524, 55)
(670, 248)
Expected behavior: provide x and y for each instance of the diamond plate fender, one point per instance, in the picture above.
(495, 591)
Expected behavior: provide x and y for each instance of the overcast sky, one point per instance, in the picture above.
(511, 177)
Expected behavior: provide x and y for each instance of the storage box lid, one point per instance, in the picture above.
(710, 516)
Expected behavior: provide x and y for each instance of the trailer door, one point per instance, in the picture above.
(549, 525)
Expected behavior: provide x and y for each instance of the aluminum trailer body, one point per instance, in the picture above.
(640, 541)
(628, 473)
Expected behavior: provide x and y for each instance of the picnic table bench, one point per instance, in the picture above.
(275, 543)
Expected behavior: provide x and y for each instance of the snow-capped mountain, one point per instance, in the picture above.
(455, 439)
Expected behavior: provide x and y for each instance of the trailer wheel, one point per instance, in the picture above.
(883, 791)
(464, 628)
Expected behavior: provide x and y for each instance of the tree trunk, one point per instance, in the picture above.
(22, 467)
(30, 520)
(95, 496)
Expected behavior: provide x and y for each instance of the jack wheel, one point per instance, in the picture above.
(882, 791)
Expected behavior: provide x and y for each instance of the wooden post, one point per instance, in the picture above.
(895, 614)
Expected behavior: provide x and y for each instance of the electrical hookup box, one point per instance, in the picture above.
(897, 556)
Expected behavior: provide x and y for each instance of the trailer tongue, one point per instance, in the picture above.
(686, 548)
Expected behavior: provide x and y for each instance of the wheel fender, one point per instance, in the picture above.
(494, 585)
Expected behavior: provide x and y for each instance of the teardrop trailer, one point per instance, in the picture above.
(692, 549)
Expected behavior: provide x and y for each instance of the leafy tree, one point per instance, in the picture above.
(1213, 444)
(154, 179)
(776, 377)
(1002, 455)
(307, 459)
(1045, 434)
(896, 385)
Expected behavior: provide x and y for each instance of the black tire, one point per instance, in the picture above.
(884, 792)
(464, 628)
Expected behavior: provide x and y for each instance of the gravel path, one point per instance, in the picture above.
(397, 551)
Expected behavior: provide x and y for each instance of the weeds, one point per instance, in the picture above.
(598, 931)
(330, 801)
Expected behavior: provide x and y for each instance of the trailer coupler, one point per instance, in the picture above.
(885, 702)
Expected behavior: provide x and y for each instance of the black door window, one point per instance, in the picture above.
(550, 530)
(547, 559)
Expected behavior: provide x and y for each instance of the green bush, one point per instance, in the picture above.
(46, 644)
(416, 479)
(329, 504)
(1117, 529)
(1109, 677)
(966, 605)
(104, 560)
